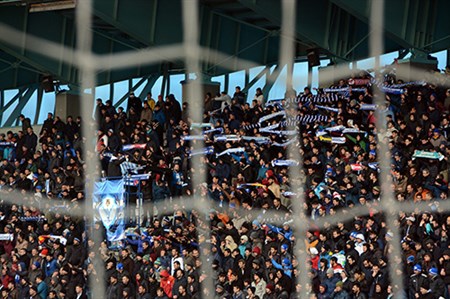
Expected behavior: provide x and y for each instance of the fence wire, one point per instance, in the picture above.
(194, 54)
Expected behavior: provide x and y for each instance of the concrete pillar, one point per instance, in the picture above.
(331, 74)
(406, 68)
(212, 87)
(67, 104)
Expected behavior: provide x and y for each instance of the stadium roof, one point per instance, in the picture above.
(247, 29)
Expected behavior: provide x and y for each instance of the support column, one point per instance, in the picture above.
(68, 104)
(448, 57)
(206, 84)
(407, 68)
(331, 74)
(309, 75)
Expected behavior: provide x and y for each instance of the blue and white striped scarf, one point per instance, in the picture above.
(279, 162)
(319, 98)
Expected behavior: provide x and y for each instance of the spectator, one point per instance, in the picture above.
(247, 182)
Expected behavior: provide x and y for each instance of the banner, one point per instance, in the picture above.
(129, 167)
(356, 167)
(134, 180)
(109, 207)
(368, 107)
(202, 151)
(7, 143)
(283, 163)
(269, 128)
(225, 138)
(128, 147)
(343, 90)
(318, 99)
(43, 238)
(219, 130)
(361, 81)
(273, 102)
(201, 125)
(280, 132)
(192, 137)
(270, 116)
(240, 186)
(374, 165)
(338, 140)
(328, 108)
(259, 140)
(299, 119)
(428, 155)
(6, 237)
(284, 143)
(231, 151)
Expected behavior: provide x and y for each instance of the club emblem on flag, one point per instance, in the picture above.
(109, 204)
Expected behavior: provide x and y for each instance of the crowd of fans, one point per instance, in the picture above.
(47, 253)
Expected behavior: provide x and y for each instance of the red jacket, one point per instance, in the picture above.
(5, 280)
(167, 282)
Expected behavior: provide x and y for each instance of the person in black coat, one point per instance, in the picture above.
(142, 293)
(79, 292)
(75, 280)
(113, 141)
(112, 292)
(48, 124)
(23, 288)
(173, 108)
(135, 103)
(160, 294)
(180, 280)
(26, 122)
(76, 254)
(437, 286)
(31, 140)
(114, 165)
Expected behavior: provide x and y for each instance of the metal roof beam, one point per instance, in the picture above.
(16, 54)
(361, 10)
(311, 27)
(18, 110)
(119, 26)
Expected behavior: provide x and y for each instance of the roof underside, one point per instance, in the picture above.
(247, 29)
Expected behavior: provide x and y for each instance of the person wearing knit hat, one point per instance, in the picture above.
(244, 238)
(221, 292)
(44, 252)
(437, 285)
(256, 250)
(433, 271)
(330, 281)
(256, 224)
(339, 292)
(269, 288)
(359, 243)
(286, 262)
(416, 281)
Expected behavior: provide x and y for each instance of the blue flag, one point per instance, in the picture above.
(109, 205)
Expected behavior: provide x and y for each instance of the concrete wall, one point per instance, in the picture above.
(36, 128)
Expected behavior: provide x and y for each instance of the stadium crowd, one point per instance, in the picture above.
(46, 252)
